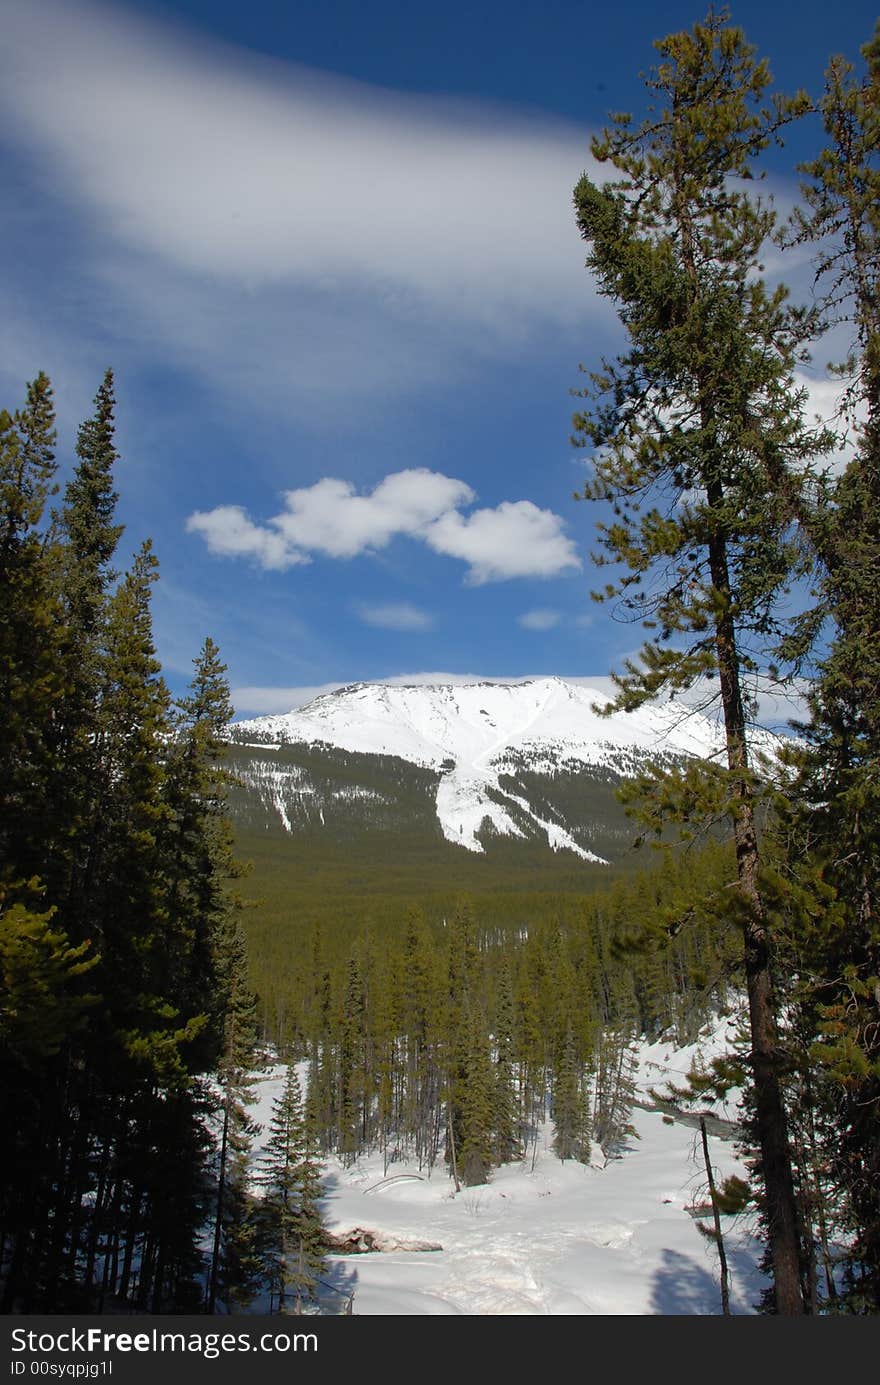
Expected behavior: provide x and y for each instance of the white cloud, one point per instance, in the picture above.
(517, 539)
(262, 701)
(229, 533)
(541, 619)
(824, 402)
(395, 615)
(331, 518)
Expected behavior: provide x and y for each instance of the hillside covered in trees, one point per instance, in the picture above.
(447, 1029)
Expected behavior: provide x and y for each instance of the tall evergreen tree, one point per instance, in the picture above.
(199, 863)
(234, 1259)
(504, 1107)
(832, 820)
(571, 1115)
(692, 430)
(29, 628)
(475, 1103)
(292, 1233)
(87, 538)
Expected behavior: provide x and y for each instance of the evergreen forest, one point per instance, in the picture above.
(149, 974)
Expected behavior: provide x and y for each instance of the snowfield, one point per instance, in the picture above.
(545, 1240)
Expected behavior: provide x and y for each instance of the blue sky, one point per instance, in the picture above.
(328, 249)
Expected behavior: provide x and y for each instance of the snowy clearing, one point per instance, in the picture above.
(553, 1239)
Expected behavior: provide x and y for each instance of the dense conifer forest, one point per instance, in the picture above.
(145, 976)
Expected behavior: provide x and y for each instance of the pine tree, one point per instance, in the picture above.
(87, 540)
(121, 964)
(198, 858)
(234, 1257)
(125, 888)
(292, 1230)
(698, 442)
(351, 1073)
(832, 820)
(29, 628)
(614, 1089)
(457, 1025)
(475, 1103)
(529, 1058)
(571, 1114)
(57, 835)
(416, 1005)
(504, 1106)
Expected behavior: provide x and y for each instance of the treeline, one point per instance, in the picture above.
(123, 975)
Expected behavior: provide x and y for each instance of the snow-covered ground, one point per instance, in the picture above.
(545, 1240)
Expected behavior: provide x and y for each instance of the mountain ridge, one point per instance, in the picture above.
(482, 739)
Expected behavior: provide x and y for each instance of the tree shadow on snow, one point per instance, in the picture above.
(682, 1287)
(337, 1287)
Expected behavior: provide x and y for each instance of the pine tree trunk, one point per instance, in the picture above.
(772, 1125)
(211, 1297)
(451, 1120)
(130, 1238)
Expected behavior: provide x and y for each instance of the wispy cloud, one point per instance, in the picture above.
(263, 701)
(395, 615)
(230, 200)
(541, 619)
(516, 539)
(223, 162)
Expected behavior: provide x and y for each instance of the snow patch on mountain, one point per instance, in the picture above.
(463, 805)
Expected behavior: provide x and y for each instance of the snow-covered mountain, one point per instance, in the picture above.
(495, 749)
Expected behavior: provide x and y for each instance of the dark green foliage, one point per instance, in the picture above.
(30, 621)
(42, 1004)
(458, 1040)
(475, 1103)
(830, 817)
(120, 969)
(504, 1123)
(571, 1112)
(235, 1262)
(699, 444)
(86, 518)
(291, 1230)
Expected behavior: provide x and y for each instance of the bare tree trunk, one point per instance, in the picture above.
(452, 1147)
(211, 1296)
(719, 1236)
